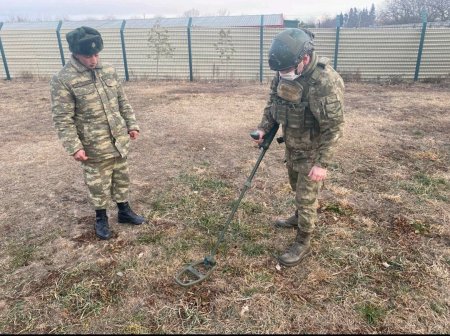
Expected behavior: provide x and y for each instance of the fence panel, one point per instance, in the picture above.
(3, 73)
(31, 49)
(378, 53)
(159, 49)
(144, 59)
(436, 53)
(324, 42)
(226, 53)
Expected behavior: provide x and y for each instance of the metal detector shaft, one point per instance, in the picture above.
(196, 272)
(264, 146)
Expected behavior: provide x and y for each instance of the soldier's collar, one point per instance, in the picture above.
(99, 65)
(311, 66)
(81, 67)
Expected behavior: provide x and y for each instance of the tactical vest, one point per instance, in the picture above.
(291, 106)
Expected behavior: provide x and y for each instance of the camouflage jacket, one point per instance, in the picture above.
(91, 111)
(313, 124)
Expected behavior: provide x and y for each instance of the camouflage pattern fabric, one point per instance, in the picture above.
(105, 180)
(91, 111)
(311, 128)
(318, 117)
(306, 193)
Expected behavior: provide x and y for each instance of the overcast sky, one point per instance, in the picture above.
(125, 9)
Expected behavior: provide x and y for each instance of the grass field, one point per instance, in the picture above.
(380, 257)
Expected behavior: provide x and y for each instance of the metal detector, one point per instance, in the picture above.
(198, 271)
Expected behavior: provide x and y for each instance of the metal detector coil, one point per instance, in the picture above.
(195, 272)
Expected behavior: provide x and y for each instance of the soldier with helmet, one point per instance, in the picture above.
(307, 99)
(95, 123)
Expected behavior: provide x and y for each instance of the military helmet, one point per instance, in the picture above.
(289, 47)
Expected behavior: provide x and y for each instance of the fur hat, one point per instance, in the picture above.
(84, 41)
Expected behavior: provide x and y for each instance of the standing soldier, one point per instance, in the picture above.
(307, 98)
(95, 122)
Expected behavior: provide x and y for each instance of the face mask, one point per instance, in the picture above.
(289, 75)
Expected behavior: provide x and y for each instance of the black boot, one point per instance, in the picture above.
(297, 251)
(291, 222)
(101, 224)
(126, 215)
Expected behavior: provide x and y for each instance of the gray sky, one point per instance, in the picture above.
(125, 9)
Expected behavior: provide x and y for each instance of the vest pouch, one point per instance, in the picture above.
(310, 120)
(296, 115)
(280, 113)
(290, 90)
(292, 115)
(316, 107)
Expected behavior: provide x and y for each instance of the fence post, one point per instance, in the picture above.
(124, 51)
(58, 36)
(261, 49)
(191, 77)
(5, 64)
(336, 46)
(422, 40)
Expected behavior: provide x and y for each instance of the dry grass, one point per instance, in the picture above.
(381, 256)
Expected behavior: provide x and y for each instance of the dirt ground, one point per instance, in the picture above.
(380, 257)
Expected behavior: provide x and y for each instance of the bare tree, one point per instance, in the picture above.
(63, 18)
(109, 17)
(223, 12)
(401, 11)
(410, 11)
(18, 19)
(224, 47)
(326, 22)
(438, 10)
(159, 44)
(192, 13)
(142, 16)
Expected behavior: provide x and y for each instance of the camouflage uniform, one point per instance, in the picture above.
(91, 112)
(311, 128)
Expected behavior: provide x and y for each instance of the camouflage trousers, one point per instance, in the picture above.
(105, 180)
(306, 193)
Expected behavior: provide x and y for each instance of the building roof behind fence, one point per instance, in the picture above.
(273, 20)
(44, 25)
(270, 20)
(162, 22)
(97, 24)
(52, 25)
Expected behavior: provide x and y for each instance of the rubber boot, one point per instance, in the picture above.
(297, 251)
(101, 224)
(291, 222)
(126, 215)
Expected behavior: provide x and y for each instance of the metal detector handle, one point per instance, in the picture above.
(268, 137)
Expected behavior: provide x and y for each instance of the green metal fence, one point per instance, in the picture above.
(2, 51)
(195, 52)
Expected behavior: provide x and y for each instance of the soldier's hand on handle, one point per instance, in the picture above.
(261, 134)
(80, 155)
(133, 134)
(317, 173)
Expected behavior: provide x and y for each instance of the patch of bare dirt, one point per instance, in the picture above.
(380, 251)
